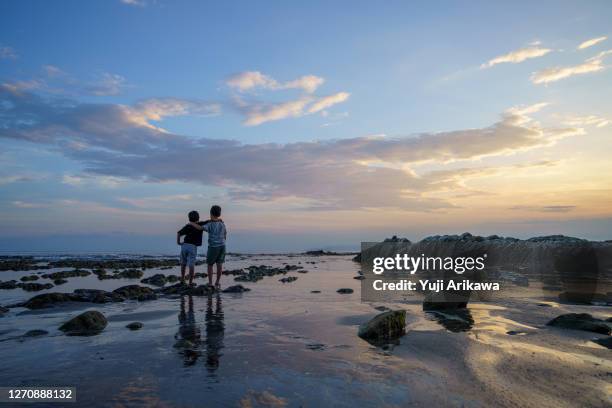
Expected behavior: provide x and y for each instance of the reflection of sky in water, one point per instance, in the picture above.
(282, 344)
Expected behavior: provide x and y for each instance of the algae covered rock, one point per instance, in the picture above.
(384, 327)
(85, 324)
(580, 321)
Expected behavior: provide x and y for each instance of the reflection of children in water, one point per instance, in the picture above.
(215, 329)
(190, 337)
(189, 332)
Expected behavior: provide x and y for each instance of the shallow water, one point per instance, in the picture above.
(281, 345)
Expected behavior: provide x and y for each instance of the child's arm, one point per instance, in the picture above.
(178, 238)
(198, 225)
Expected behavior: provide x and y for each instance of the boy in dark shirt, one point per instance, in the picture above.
(190, 244)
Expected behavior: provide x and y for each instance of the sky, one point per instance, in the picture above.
(313, 124)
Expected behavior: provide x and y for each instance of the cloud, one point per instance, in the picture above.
(590, 120)
(328, 101)
(165, 201)
(554, 74)
(136, 3)
(249, 80)
(358, 172)
(591, 42)
(545, 208)
(7, 53)
(520, 55)
(256, 112)
(106, 85)
(25, 204)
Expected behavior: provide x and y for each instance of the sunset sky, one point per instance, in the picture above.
(313, 124)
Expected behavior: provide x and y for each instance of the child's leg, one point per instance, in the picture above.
(219, 272)
(191, 273)
(183, 273)
(210, 274)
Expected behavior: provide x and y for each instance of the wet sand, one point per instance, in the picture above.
(281, 345)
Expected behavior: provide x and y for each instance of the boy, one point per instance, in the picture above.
(217, 234)
(189, 246)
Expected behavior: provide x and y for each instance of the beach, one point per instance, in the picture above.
(296, 344)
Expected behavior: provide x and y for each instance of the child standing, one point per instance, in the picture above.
(189, 246)
(217, 234)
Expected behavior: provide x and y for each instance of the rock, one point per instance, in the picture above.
(201, 290)
(580, 321)
(59, 282)
(34, 286)
(158, 279)
(12, 284)
(345, 291)
(382, 308)
(606, 342)
(357, 258)
(174, 289)
(136, 292)
(172, 278)
(236, 289)
(68, 274)
(46, 300)
(320, 252)
(87, 323)
(315, 291)
(134, 326)
(183, 343)
(384, 327)
(130, 274)
(359, 277)
(29, 278)
(445, 301)
(35, 333)
(288, 279)
(396, 239)
(456, 321)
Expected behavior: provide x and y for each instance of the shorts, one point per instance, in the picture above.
(215, 255)
(188, 254)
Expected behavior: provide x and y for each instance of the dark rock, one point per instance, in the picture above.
(87, 323)
(96, 296)
(158, 279)
(201, 290)
(459, 320)
(29, 278)
(12, 284)
(34, 286)
(315, 291)
(136, 292)
(67, 274)
(359, 277)
(59, 282)
(174, 289)
(445, 301)
(384, 327)
(236, 289)
(345, 291)
(288, 279)
(172, 278)
(130, 274)
(580, 321)
(35, 333)
(134, 326)
(184, 344)
(606, 342)
(396, 239)
(46, 300)
(357, 258)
